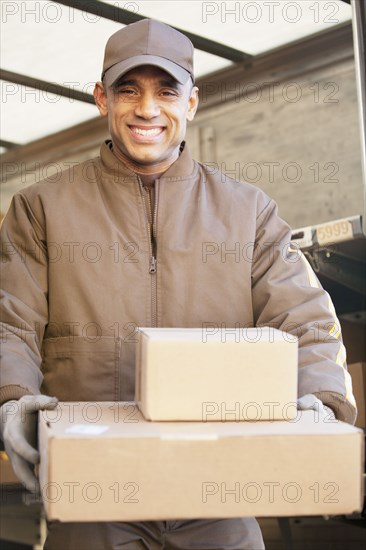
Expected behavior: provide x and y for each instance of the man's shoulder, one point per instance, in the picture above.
(64, 179)
(235, 188)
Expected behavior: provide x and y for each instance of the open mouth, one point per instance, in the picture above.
(150, 132)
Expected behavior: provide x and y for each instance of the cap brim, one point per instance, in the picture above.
(119, 69)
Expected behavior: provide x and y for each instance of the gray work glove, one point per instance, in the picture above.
(18, 426)
(311, 402)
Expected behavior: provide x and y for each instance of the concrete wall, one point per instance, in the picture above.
(289, 124)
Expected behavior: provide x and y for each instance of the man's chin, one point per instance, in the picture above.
(151, 158)
(147, 157)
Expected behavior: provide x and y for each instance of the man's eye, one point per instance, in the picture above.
(169, 93)
(125, 91)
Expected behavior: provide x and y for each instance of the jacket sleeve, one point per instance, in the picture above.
(287, 295)
(24, 306)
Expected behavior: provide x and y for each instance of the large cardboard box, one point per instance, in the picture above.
(358, 375)
(212, 374)
(105, 462)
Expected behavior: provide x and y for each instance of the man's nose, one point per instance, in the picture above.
(147, 106)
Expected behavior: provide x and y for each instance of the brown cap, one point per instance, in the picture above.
(148, 42)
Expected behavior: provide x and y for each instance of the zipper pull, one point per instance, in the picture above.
(152, 268)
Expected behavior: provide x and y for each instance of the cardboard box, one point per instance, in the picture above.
(216, 375)
(105, 462)
(358, 375)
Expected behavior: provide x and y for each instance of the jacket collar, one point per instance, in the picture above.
(182, 168)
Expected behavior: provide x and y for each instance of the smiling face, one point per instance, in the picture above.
(147, 113)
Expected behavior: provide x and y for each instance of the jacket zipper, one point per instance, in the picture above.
(150, 218)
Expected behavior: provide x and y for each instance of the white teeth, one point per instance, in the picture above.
(151, 132)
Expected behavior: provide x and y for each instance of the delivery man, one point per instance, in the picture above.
(143, 235)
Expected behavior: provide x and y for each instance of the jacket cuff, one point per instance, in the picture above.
(343, 409)
(12, 392)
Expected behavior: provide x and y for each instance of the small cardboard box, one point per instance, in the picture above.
(358, 375)
(210, 375)
(105, 462)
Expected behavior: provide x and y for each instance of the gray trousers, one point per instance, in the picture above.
(202, 534)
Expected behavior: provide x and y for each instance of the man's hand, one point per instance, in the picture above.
(18, 425)
(311, 402)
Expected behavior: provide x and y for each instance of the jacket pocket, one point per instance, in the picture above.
(77, 369)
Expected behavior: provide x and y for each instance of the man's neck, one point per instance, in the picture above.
(148, 180)
(147, 173)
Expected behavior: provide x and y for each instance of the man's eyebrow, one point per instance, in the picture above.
(125, 82)
(170, 83)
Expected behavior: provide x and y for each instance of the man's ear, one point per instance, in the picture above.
(100, 98)
(192, 103)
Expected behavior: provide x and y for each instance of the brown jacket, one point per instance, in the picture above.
(79, 277)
